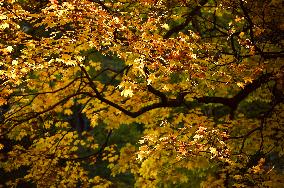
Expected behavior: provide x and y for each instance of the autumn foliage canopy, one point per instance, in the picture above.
(149, 93)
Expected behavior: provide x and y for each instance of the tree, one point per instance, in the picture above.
(152, 93)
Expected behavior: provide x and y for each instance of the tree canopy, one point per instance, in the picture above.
(149, 93)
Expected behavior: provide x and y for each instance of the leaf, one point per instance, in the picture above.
(68, 112)
(127, 92)
(240, 84)
(76, 108)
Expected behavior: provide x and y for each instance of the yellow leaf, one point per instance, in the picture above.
(9, 48)
(240, 84)
(68, 112)
(4, 26)
(166, 26)
(127, 92)
(1, 146)
(248, 80)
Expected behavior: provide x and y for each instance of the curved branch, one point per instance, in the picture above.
(46, 92)
(234, 101)
(102, 5)
(180, 27)
(97, 153)
(179, 101)
(36, 114)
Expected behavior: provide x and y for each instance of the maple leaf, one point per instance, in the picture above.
(1, 146)
(240, 84)
(9, 49)
(53, 1)
(149, 90)
(127, 92)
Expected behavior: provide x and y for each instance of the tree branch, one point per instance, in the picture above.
(180, 27)
(98, 153)
(234, 101)
(36, 114)
(102, 5)
(179, 101)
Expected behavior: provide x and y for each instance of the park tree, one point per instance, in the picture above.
(149, 93)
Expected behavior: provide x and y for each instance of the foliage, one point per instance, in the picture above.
(148, 93)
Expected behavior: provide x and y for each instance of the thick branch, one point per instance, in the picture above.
(179, 101)
(234, 101)
(158, 93)
(251, 87)
(166, 102)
